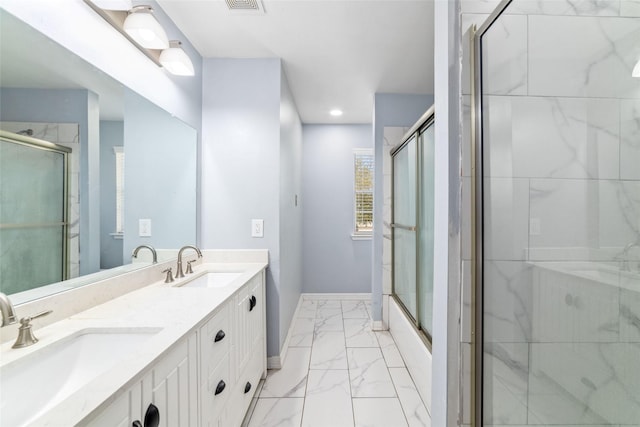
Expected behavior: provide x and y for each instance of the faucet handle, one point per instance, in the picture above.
(25, 332)
(169, 277)
(189, 268)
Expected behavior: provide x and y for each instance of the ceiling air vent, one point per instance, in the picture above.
(246, 6)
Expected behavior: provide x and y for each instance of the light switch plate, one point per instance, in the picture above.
(144, 227)
(257, 228)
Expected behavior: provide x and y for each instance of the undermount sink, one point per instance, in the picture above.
(212, 280)
(34, 384)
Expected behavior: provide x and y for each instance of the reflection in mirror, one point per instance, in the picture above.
(63, 99)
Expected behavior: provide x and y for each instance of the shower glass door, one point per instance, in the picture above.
(559, 170)
(33, 227)
(412, 228)
(404, 225)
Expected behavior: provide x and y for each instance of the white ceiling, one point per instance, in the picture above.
(335, 53)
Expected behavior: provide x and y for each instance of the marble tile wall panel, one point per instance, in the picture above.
(508, 299)
(506, 218)
(630, 312)
(567, 308)
(566, 7)
(504, 58)
(506, 368)
(584, 383)
(583, 213)
(630, 139)
(551, 137)
(630, 8)
(595, 58)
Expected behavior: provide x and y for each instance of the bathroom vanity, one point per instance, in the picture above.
(191, 352)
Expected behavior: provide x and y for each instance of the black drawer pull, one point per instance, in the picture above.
(219, 336)
(136, 423)
(252, 302)
(152, 417)
(220, 387)
(247, 387)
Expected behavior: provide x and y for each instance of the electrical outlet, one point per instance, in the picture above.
(144, 227)
(257, 228)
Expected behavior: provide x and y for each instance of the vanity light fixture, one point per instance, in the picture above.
(141, 26)
(175, 60)
(636, 70)
(114, 4)
(138, 25)
(335, 112)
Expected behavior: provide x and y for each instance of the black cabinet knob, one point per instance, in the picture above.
(152, 417)
(219, 336)
(247, 387)
(220, 387)
(252, 302)
(136, 423)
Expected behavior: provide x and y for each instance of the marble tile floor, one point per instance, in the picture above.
(338, 372)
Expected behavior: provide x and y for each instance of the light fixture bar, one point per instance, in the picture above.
(116, 19)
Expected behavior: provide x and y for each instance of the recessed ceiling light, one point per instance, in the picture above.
(335, 112)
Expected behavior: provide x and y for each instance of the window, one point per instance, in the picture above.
(363, 193)
(119, 153)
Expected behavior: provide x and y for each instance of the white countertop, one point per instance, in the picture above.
(176, 311)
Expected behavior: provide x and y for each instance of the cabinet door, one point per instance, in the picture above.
(126, 409)
(172, 386)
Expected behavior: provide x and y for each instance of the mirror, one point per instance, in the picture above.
(54, 95)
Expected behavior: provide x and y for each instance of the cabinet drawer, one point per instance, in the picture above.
(216, 336)
(241, 398)
(216, 391)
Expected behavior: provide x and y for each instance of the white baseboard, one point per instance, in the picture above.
(354, 296)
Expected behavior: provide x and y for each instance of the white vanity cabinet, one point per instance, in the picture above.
(171, 385)
(240, 362)
(210, 377)
(250, 357)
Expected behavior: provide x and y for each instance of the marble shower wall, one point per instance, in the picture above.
(562, 186)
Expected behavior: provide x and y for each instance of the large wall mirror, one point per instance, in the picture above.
(130, 177)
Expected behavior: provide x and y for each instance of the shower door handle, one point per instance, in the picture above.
(404, 227)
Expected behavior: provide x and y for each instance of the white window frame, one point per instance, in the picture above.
(361, 234)
(118, 152)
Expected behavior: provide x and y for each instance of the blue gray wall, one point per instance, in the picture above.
(333, 261)
(250, 140)
(291, 211)
(111, 135)
(160, 176)
(389, 110)
(68, 106)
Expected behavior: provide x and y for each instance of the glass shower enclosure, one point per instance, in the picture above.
(557, 104)
(33, 212)
(412, 223)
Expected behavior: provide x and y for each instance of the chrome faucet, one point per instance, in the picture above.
(625, 255)
(153, 252)
(180, 273)
(8, 313)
